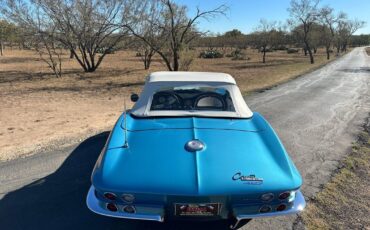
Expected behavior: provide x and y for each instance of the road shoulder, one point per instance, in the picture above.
(344, 202)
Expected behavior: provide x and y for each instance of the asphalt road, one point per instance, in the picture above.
(317, 117)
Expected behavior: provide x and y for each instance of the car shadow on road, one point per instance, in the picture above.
(57, 201)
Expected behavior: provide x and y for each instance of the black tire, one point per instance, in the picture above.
(234, 224)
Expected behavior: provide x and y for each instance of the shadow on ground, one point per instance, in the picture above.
(57, 201)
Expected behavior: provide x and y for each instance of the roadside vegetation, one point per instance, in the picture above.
(344, 203)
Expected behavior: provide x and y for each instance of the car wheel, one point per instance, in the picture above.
(234, 224)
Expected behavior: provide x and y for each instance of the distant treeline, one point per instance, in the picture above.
(11, 36)
(236, 39)
(91, 29)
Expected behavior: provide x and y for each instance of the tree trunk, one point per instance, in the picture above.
(175, 61)
(91, 68)
(305, 51)
(1, 48)
(71, 55)
(311, 56)
(264, 55)
(328, 52)
(308, 48)
(148, 61)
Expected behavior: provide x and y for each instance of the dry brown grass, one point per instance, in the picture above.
(344, 203)
(38, 109)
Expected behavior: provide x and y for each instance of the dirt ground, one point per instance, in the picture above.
(38, 110)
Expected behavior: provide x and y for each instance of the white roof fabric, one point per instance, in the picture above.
(159, 80)
(190, 76)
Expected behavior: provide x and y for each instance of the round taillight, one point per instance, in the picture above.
(265, 209)
(284, 195)
(267, 197)
(128, 198)
(281, 207)
(129, 209)
(112, 207)
(110, 196)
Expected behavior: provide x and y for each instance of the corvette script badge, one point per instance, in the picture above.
(250, 179)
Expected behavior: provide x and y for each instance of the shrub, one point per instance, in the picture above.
(210, 54)
(267, 50)
(108, 51)
(292, 50)
(187, 58)
(280, 47)
(237, 54)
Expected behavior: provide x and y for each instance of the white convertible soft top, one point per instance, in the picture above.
(159, 80)
(190, 76)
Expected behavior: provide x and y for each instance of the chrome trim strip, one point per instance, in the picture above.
(93, 204)
(298, 205)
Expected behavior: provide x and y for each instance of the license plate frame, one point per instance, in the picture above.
(197, 209)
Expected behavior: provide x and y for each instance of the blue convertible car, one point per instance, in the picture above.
(190, 148)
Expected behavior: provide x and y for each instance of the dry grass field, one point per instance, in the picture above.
(39, 110)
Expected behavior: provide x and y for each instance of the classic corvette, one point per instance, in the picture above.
(190, 148)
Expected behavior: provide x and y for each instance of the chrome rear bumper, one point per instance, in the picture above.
(298, 206)
(142, 212)
(156, 213)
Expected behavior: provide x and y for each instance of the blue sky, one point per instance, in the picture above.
(245, 14)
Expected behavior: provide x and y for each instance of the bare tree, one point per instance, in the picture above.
(265, 36)
(147, 29)
(38, 33)
(329, 22)
(145, 52)
(304, 13)
(345, 29)
(8, 33)
(90, 29)
(174, 29)
(4, 30)
(49, 51)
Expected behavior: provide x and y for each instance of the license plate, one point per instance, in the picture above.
(210, 209)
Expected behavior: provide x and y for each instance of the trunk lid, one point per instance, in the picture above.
(157, 162)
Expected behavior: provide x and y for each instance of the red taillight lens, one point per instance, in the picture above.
(281, 207)
(110, 196)
(284, 195)
(112, 207)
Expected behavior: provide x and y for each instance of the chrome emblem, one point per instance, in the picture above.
(249, 179)
(194, 145)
